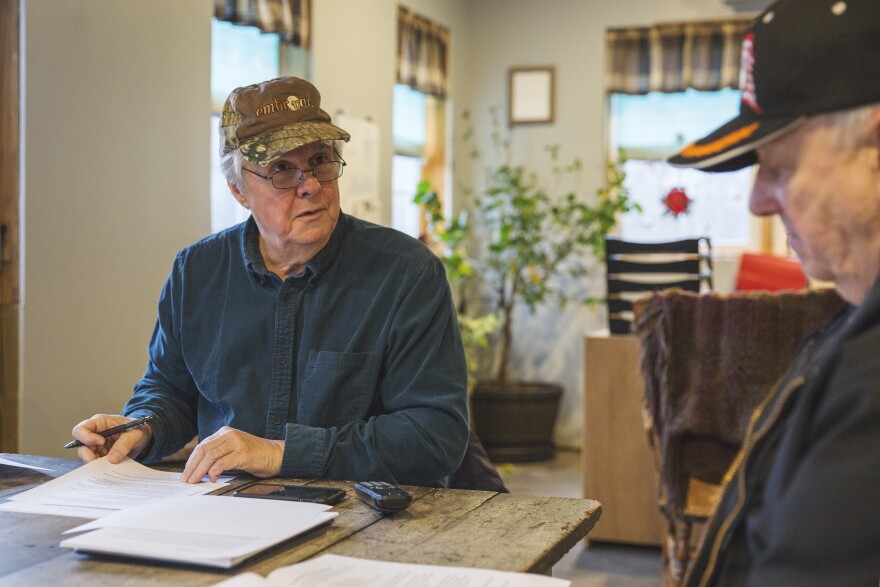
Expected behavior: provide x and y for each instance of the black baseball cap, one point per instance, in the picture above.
(799, 58)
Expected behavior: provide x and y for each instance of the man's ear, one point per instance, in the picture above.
(239, 195)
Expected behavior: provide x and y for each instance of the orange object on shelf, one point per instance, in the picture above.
(762, 272)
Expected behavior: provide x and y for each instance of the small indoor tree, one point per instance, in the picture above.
(530, 238)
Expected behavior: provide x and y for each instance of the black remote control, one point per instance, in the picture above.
(383, 497)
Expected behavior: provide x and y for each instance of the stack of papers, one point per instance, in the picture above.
(100, 488)
(331, 569)
(210, 530)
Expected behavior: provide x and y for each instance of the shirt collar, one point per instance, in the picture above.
(314, 267)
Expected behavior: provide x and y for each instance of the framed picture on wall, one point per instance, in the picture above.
(531, 95)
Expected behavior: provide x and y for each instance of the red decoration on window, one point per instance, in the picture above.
(677, 202)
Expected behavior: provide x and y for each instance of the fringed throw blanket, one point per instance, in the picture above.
(707, 361)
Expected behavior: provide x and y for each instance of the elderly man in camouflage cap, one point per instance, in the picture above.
(303, 342)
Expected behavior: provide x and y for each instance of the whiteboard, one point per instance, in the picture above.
(359, 184)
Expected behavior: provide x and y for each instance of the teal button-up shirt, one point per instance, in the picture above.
(356, 362)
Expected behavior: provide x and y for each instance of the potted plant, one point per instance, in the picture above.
(529, 241)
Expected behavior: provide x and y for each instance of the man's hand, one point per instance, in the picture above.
(116, 447)
(229, 448)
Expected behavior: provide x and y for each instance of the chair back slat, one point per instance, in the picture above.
(634, 270)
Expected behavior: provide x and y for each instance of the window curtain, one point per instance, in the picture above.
(672, 57)
(422, 53)
(291, 19)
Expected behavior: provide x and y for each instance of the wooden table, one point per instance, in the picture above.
(441, 527)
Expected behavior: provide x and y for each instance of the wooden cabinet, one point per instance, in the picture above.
(618, 466)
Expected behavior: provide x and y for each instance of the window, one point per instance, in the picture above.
(408, 128)
(242, 55)
(650, 127)
(419, 124)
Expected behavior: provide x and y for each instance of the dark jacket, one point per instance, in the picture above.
(802, 501)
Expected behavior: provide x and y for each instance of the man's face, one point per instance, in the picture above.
(301, 218)
(828, 199)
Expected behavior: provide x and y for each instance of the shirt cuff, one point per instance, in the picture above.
(305, 450)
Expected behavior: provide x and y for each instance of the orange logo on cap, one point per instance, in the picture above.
(694, 150)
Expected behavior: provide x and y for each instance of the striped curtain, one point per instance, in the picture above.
(673, 57)
(291, 19)
(422, 53)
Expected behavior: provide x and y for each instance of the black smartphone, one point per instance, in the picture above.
(326, 495)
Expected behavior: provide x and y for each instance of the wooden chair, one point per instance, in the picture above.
(634, 270)
(707, 361)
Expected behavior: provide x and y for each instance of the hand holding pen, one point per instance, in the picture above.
(115, 430)
(90, 448)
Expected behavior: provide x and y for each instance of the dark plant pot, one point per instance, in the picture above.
(515, 421)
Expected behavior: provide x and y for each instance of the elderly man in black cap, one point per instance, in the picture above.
(800, 503)
(302, 342)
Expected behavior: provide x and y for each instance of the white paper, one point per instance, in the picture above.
(212, 514)
(217, 531)
(100, 487)
(22, 465)
(330, 570)
(54, 510)
(245, 580)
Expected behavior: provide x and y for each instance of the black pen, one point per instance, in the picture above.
(116, 430)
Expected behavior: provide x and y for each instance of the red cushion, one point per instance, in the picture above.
(759, 272)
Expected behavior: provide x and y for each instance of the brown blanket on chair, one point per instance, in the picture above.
(707, 361)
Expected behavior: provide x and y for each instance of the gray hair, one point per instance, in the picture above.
(850, 128)
(230, 163)
(230, 166)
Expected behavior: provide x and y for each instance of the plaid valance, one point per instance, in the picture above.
(291, 19)
(671, 57)
(422, 53)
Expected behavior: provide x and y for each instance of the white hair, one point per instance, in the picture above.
(850, 128)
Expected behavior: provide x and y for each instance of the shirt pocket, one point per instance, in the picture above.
(335, 389)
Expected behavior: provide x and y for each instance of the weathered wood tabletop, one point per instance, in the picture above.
(441, 527)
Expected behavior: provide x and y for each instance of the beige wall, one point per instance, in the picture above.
(116, 104)
(116, 163)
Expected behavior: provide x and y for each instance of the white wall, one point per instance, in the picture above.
(355, 60)
(116, 111)
(570, 36)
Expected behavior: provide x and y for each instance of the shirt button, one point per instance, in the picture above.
(285, 298)
(277, 422)
(282, 360)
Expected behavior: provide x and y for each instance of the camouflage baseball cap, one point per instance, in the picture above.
(269, 119)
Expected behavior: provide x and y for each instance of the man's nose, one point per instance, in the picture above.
(762, 201)
(308, 186)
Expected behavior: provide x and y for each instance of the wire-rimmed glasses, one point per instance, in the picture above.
(286, 179)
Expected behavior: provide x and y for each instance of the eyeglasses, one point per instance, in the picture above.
(291, 178)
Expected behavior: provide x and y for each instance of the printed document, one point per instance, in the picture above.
(211, 530)
(330, 570)
(99, 488)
